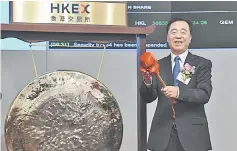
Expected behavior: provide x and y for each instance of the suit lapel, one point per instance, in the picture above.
(168, 76)
(189, 59)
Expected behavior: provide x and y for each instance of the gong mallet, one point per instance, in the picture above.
(149, 64)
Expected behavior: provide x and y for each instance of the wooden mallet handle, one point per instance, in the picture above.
(150, 64)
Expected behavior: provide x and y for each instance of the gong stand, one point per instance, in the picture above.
(90, 33)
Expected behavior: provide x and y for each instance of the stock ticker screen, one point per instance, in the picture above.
(214, 24)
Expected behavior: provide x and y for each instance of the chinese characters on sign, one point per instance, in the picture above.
(77, 19)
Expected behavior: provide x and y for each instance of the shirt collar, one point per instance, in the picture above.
(182, 56)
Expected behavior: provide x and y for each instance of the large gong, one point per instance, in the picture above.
(64, 111)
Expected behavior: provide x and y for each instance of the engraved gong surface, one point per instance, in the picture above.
(64, 111)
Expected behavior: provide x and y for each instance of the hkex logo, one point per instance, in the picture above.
(75, 8)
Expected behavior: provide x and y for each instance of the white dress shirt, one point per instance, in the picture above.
(181, 61)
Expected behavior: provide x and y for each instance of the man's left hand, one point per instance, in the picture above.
(170, 91)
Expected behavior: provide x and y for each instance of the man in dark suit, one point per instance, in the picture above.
(191, 89)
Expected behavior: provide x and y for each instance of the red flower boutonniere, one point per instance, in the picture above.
(187, 71)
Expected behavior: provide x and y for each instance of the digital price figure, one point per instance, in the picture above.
(202, 22)
(160, 23)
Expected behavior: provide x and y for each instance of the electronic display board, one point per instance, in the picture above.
(214, 24)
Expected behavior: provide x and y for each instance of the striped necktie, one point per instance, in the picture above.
(176, 69)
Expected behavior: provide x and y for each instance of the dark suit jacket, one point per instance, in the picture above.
(191, 120)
